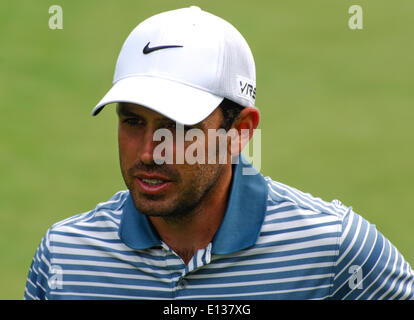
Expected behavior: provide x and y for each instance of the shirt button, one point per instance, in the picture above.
(182, 283)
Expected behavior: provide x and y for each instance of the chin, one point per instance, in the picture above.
(150, 206)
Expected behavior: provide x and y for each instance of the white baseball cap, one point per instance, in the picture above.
(182, 64)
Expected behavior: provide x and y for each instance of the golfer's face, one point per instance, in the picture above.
(168, 189)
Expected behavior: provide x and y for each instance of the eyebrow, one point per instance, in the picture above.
(123, 111)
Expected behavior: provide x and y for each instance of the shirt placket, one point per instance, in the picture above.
(179, 281)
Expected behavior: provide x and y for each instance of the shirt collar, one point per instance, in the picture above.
(239, 229)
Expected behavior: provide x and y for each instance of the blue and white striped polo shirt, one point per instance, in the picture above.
(274, 242)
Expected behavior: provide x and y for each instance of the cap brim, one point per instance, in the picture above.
(179, 102)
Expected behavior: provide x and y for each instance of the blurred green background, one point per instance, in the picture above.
(336, 105)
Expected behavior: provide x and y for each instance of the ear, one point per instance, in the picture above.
(243, 128)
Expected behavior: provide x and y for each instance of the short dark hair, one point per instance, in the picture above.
(231, 111)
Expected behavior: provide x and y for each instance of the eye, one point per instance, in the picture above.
(133, 122)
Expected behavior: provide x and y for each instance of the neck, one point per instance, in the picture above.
(195, 231)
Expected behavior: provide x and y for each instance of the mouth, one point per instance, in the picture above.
(152, 185)
(153, 182)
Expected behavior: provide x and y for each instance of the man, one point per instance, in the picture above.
(205, 229)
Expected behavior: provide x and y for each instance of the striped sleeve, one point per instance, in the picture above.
(37, 279)
(369, 267)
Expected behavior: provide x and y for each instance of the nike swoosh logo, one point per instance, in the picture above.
(147, 48)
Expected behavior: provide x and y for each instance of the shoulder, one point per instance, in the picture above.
(67, 238)
(301, 220)
(300, 209)
(301, 225)
(281, 193)
(107, 210)
(365, 264)
(104, 217)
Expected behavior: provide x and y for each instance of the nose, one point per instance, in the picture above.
(146, 152)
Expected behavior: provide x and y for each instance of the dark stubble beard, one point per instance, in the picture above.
(185, 205)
